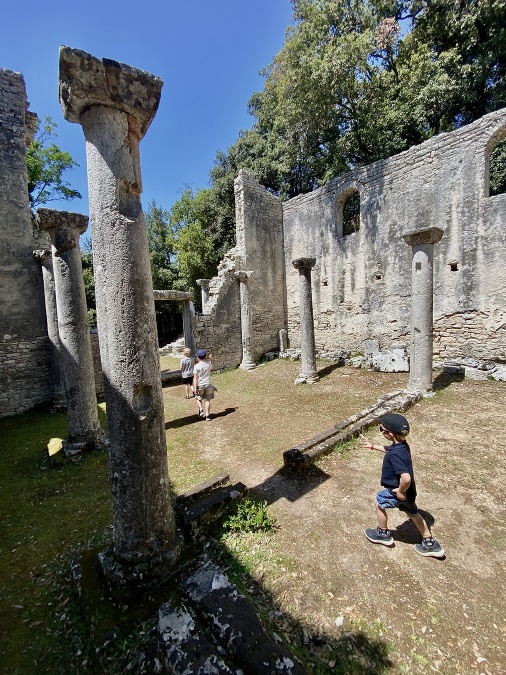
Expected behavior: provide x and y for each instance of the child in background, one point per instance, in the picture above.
(399, 490)
(187, 363)
(204, 389)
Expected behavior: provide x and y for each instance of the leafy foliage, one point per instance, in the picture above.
(356, 82)
(249, 515)
(163, 270)
(46, 165)
(498, 169)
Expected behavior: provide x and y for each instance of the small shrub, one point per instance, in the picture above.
(249, 515)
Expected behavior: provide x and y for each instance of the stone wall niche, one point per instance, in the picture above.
(115, 104)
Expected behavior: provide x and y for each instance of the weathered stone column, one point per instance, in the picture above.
(309, 373)
(247, 363)
(188, 313)
(115, 105)
(44, 256)
(420, 362)
(204, 285)
(74, 332)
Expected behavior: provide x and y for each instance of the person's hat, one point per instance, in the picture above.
(395, 423)
(201, 354)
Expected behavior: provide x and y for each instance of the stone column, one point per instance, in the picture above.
(44, 256)
(74, 332)
(247, 363)
(420, 363)
(204, 285)
(188, 313)
(309, 373)
(115, 105)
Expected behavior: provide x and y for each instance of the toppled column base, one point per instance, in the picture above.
(141, 571)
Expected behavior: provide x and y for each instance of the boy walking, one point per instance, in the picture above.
(204, 390)
(399, 489)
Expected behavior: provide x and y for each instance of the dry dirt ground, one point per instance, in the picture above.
(446, 615)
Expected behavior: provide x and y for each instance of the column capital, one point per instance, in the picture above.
(303, 263)
(427, 235)
(48, 218)
(87, 81)
(203, 283)
(242, 275)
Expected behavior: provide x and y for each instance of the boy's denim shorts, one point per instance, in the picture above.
(386, 499)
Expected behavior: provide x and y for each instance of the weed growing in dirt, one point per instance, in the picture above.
(248, 515)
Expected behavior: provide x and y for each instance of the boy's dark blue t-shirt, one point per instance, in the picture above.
(397, 460)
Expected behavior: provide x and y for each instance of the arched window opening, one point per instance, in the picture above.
(351, 213)
(498, 169)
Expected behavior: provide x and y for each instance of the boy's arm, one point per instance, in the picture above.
(404, 483)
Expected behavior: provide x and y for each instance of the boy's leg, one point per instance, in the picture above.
(382, 517)
(429, 547)
(381, 534)
(420, 523)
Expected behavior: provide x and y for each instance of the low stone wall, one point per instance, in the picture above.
(25, 374)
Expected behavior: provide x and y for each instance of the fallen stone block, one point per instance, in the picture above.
(183, 647)
(236, 626)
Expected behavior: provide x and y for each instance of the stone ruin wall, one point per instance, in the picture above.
(361, 282)
(259, 232)
(25, 357)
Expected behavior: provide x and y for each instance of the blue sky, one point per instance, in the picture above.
(208, 53)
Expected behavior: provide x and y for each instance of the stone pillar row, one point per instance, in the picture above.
(45, 258)
(74, 343)
(115, 104)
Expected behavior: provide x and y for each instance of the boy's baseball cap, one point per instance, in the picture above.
(395, 423)
(201, 354)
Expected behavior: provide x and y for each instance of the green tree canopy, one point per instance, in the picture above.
(357, 81)
(46, 164)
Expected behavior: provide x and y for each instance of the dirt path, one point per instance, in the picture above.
(437, 615)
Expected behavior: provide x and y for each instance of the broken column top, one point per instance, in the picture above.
(47, 218)
(301, 263)
(87, 81)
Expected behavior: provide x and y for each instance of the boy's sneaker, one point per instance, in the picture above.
(378, 536)
(208, 418)
(201, 413)
(430, 547)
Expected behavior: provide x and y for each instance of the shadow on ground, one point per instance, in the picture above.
(193, 419)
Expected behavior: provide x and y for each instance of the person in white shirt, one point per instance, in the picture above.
(202, 385)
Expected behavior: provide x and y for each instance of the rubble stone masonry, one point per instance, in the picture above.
(25, 356)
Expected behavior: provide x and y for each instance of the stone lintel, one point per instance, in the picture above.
(87, 81)
(48, 218)
(172, 295)
(242, 275)
(428, 235)
(301, 263)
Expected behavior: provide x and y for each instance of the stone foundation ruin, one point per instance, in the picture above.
(360, 282)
